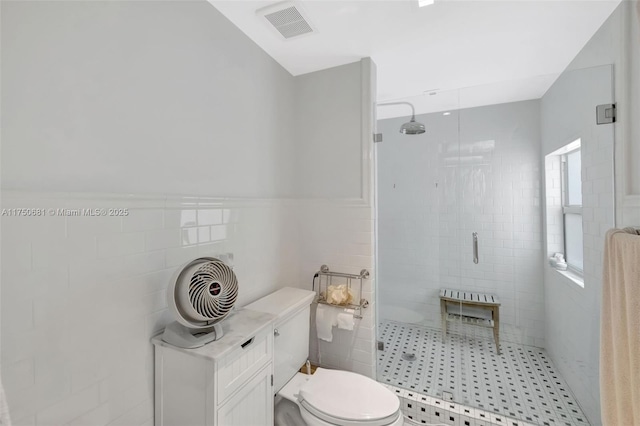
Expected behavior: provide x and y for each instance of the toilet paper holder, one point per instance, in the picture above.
(326, 278)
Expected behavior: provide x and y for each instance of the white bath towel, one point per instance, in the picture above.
(620, 330)
(5, 419)
(326, 318)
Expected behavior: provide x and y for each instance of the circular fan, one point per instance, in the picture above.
(201, 296)
(203, 293)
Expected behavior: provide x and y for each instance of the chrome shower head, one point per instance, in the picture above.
(412, 127)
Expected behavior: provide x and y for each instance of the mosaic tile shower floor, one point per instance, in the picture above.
(521, 382)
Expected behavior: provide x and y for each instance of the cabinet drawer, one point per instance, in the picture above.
(252, 405)
(242, 363)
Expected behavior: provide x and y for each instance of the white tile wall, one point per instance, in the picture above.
(81, 300)
(81, 296)
(341, 236)
(574, 346)
(573, 313)
(476, 170)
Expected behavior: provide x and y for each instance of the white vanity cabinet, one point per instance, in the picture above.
(224, 383)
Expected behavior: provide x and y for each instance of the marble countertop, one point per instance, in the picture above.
(238, 327)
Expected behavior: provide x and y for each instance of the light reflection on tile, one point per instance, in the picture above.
(189, 236)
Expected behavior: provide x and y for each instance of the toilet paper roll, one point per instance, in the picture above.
(345, 319)
(326, 318)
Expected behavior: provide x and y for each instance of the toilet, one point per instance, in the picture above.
(328, 397)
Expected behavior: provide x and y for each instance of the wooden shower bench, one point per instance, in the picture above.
(488, 301)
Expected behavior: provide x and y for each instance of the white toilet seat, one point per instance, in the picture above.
(335, 397)
(318, 418)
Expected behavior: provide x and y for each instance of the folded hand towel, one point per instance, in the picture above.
(326, 318)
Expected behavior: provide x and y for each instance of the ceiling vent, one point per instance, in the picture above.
(287, 18)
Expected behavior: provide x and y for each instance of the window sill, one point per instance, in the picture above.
(576, 278)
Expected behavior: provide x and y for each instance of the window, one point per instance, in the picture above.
(572, 208)
(563, 211)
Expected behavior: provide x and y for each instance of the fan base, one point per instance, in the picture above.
(178, 335)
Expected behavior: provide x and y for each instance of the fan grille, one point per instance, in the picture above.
(289, 22)
(213, 290)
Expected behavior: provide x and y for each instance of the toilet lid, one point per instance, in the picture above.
(348, 396)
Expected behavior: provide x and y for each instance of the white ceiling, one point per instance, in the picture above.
(473, 52)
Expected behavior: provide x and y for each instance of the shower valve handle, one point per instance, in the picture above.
(475, 248)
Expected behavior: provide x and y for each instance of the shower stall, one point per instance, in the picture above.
(460, 207)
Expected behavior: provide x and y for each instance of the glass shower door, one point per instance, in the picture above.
(498, 146)
(462, 208)
(417, 222)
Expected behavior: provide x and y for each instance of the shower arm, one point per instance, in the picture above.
(413, 111)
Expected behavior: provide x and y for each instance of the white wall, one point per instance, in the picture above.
(145, 97)
(133, 98)
(476, 170)
(573, 312)
(617, 43)
(328, 163)
(153, 98)
(574, 347)
(339, 231)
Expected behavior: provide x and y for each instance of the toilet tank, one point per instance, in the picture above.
(292, 306)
